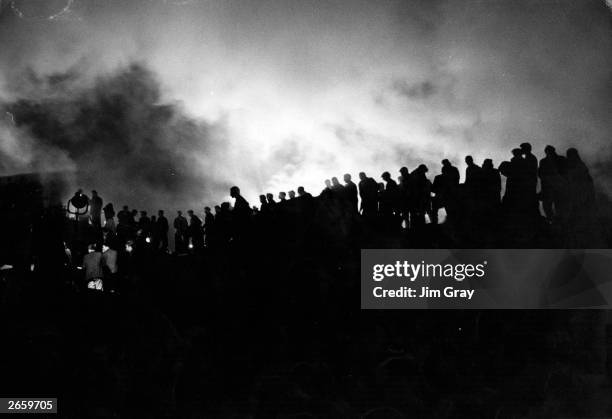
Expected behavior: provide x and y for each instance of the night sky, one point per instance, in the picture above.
(168, 103)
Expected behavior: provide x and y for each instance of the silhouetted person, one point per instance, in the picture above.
(109, 218)
(195, 230)
(337, 191)
(451, 196)
(472, 175)
(223, 223)
(282, 197)
(144, 223)
(384, 206)
(327, 193)
(162, 230)
(531, 166)
(305, 205)
(291, 194)
(439, 188)
(519, 197)
(263, 204)
(404, 195)
(420, 191)
(124, 215)
(302, 193)
(451, 173)
(368, 191)
(110, 268)
(180, 234)
(241, 212)
(391, 189)
(491, 182)
(132, 218)
(92, 265)
(124, 226)
(350, 192)
(472, 194)
(241, 206)
(95, 209)
(270, 199)
(209, 225)
(491, 186)
(553, 183)
(389, 201)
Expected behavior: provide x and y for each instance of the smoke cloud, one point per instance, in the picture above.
(117, 135)
(167, 103)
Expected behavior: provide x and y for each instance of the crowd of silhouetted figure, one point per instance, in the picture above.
(257, 308)
(474, 212)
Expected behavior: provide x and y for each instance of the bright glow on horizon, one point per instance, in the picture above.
(297, 92)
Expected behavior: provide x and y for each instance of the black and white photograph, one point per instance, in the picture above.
(296, 209)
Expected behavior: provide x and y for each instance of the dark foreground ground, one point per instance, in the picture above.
(271, 327)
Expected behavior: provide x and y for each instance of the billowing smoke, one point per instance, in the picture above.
(117, 134)
(271, 94)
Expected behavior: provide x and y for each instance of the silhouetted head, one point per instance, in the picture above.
(423, 169)
(550, 150)
(262, 199)
(446, 163)
(160, 213)
(282, 196)
(469, 160)
(381, 186)
(143, 213)
(270, 197)
(217, 209)
(134, 212)
(386, 176)
(179, 213)
(487, 164)
(234, 191)
(301, 190)
(225, 206)
(526, 148)
(207, 210)
(190, 213)
(328, 183)
(94, 193)
(347, 178)
(404, 172)
(572, 154)
(125, 208)
(362, 175)
(517, 152)
(335, 181)
(291, 194)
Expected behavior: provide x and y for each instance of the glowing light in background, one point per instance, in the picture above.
(298, 92)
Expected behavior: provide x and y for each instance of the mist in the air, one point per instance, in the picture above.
(168, 103)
